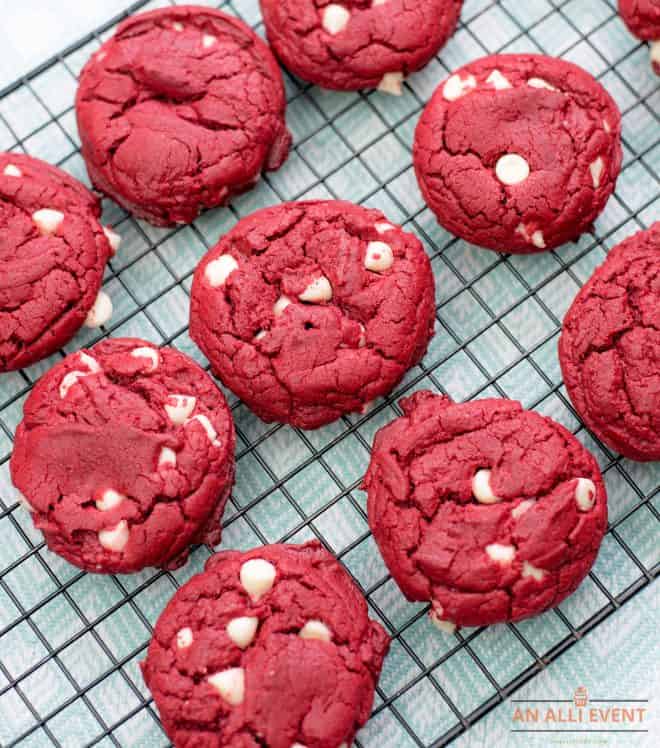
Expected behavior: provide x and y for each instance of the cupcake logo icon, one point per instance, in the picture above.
(581, 697)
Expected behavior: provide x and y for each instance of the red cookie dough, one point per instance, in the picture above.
(272, 647)
(353, 44)
(642, 17)
(311, 310)
(491, 512)
(518, 153)
(610, 348)
(53, 252)
(125, 456)
(181, 109)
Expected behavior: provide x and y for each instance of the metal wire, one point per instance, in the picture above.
(126, 596)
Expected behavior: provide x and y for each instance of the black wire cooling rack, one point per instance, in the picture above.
(70, 642)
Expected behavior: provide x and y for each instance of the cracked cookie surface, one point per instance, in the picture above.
(610, 348)
(236, 656)
(125, 457)
(178, 111)
(518, 153)
(53, 252)
(491, 512)
(311, 310)
(642, 17)
(354, 44)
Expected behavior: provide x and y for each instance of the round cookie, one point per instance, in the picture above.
(610, 348)
(125, 457)
(53, 252)
(491, 512)
(180, 110)
(518, 153)
(642, 17)
(311, 310)
(236, 656)
(354, 44)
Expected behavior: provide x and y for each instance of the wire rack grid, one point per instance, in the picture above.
(70, 643)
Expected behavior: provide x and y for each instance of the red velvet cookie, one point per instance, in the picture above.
(491, 512)
(181, 109)
(518, 153)
(272, 647)
(642, 17)
(357, 44)
(53, 252)
(311, 310)
(125, 456)
(610, 348)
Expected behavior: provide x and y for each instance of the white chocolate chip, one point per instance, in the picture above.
(109, 500)
(363, 336)
(260, 335)
(455, 87)
(101, 55)
(379, 257)
(12, 171)
(115, 539)
(208, 427)
(298, 745)
(447, 627)
(100, 312)
(167, 458)
(257, 577)
(655, 53)
(528, 570)
(503, 554)
(315, 630)
(538, 240)
(47, 220)
(376, 3)
(150, 353)
(523, 507)
(184, 638)
(70, 379)
(179, 408)
(383, 228)
(335, 18)
(606, 126)
(208, 40)
(219, 270)
(540, 83)
(280, 305)
(481, 489)
(318, 291)
(512, 169)
(90, 362)
(113, 239)
(391, 83)
(596, 169)
(242, 630)
(230, 684)
(585, 494)
(498, 81)
(177, 26)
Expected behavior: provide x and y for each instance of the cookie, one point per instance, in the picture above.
(125, 457)
(272, 647)
(518, 153)
(311, 310)
(491, 512)
(609, 348)
(642, 17)
(53, 252)
(180, 110)
(357, 44)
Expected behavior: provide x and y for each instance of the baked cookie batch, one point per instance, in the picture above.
(309, 311)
